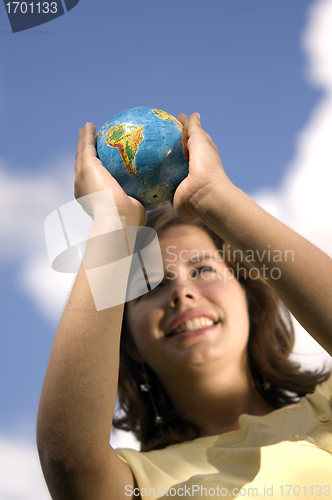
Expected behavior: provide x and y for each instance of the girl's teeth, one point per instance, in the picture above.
(193, 324)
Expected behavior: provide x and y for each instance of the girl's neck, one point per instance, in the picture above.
(214, 403)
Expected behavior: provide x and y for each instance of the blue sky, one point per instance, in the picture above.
(242, 64)
(238, 62)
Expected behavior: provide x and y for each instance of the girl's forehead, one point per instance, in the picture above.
(186, 239)
(184, 232)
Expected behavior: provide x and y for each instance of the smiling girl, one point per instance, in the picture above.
(201, 361)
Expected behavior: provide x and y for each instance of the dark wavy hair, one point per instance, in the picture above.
(278, 379)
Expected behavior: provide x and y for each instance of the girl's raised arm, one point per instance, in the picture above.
(78, 397)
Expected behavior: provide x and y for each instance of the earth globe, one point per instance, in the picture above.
(145, 150)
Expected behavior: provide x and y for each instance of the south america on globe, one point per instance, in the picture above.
(145, 150)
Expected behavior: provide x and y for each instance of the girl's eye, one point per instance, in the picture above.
(203, 269)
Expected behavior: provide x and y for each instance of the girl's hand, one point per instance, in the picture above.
(92, 177)
(195, 192)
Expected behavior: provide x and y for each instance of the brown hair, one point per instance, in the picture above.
(279, 380)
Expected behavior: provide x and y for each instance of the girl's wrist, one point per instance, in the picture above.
(216, 197)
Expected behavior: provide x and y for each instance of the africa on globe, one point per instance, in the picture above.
(145, 150)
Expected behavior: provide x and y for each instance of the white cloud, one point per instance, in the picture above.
(122, 439)
(317, 44)
(25, 201)
(21, 477)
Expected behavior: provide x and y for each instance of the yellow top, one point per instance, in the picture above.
(285, 454)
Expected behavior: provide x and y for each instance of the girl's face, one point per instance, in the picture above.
(198, 316)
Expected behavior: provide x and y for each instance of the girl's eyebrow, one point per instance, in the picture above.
(203, 257)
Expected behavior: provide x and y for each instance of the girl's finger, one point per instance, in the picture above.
(89, 149)
(183, 119)
(194, 122)
(195, 128)
(78, 159)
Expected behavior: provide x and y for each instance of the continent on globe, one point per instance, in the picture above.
(165, 116)
(127, 139)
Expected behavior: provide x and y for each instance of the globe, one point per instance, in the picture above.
(145, 150)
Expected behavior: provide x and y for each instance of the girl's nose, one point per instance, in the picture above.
(182, 294)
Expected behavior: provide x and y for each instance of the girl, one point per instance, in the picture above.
(205, 380)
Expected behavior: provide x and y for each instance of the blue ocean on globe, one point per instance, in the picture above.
(145, 150)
